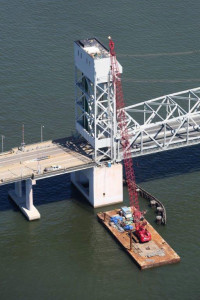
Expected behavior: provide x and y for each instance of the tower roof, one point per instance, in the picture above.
(94, 48)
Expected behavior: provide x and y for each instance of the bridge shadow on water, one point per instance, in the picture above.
(166, 164)
(149, 167)
(54, 189)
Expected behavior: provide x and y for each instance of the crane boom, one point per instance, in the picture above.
(123, 126)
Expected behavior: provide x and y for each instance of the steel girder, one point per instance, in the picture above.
(96, 116)
(164, 123)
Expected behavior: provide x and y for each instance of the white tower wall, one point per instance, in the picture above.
(95, 107)
(95, 99)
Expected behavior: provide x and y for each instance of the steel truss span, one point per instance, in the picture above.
(164, 123)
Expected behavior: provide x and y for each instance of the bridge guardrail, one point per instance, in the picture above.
(48, 174)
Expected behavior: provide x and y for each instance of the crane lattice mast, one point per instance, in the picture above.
(122, 123)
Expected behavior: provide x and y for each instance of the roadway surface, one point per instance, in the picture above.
(31, 161)
(73, 155)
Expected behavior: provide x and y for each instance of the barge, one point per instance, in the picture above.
(153, 253)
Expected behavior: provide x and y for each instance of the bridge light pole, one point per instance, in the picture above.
(42, 133)
(2, 138)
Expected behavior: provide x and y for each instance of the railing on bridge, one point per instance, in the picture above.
(164, 123)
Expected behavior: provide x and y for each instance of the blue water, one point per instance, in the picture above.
(68, 254)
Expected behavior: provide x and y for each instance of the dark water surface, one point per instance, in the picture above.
(68, 254)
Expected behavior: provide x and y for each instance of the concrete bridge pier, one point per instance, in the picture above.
(18, 189)
(102, 185)
(29, 194)
(25, 201)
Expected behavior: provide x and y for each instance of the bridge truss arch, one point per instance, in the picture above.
(164, 123)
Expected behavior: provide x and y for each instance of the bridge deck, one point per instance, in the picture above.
(69, 154)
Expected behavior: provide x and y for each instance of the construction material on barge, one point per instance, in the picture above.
(153, 253)
(161, 217)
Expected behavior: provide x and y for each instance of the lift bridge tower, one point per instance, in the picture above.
(95, 113)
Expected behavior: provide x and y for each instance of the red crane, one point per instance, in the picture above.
(122, 123)
(141, 231)
(140, 226)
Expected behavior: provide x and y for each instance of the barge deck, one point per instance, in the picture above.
(147, 255)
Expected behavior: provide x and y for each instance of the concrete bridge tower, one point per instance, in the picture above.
(95, 107)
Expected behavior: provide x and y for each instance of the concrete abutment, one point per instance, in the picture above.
(102, 185)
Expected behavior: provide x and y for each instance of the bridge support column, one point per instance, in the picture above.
(101, 185)
(25, 201)
(18, 189)
(29, 194)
